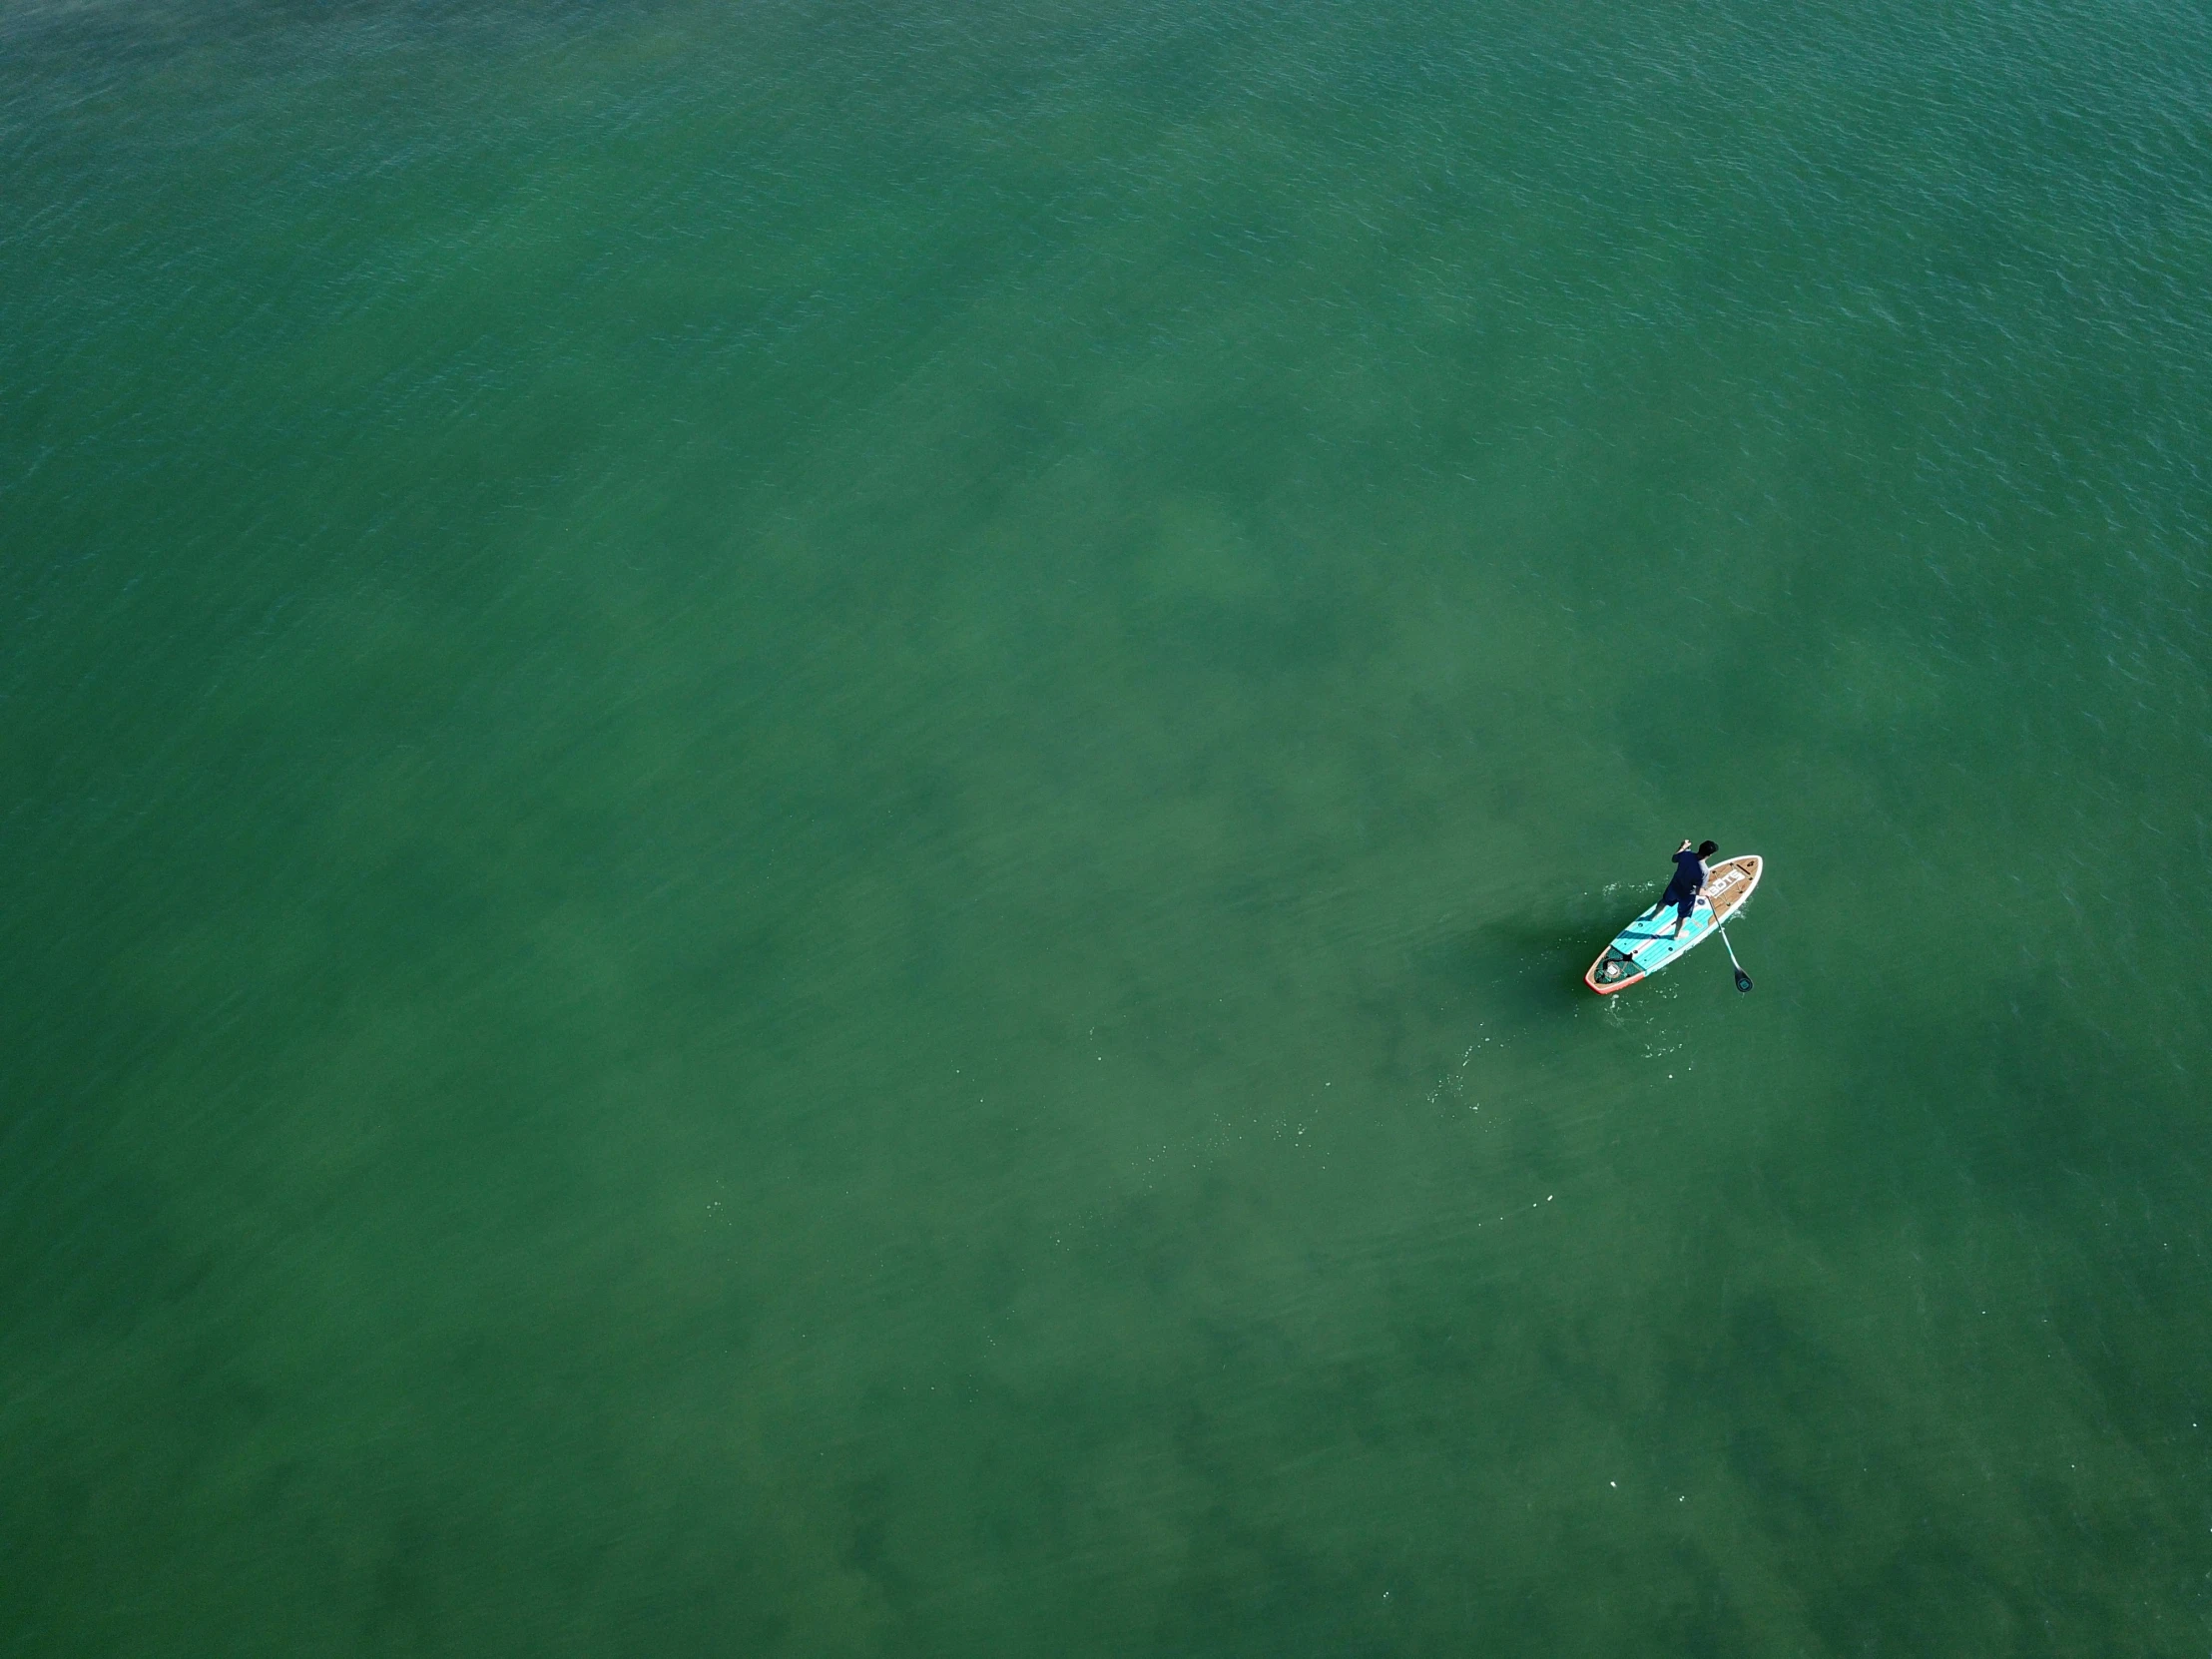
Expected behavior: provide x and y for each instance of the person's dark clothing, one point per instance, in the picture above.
(1690, 876)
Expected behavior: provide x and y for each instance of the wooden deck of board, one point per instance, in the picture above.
(1732, 879)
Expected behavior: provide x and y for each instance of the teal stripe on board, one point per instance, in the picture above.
(1653, 941)
(800, 805)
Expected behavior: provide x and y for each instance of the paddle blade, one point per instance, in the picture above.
(1743, 980)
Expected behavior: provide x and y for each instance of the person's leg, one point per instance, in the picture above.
(1684, 903)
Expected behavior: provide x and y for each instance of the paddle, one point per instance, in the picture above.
(1742, 979)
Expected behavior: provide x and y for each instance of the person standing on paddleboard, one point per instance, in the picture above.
(1690, 876)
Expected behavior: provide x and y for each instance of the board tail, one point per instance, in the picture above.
(1612, 972)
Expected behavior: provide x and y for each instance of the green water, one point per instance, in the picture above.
(799, 807)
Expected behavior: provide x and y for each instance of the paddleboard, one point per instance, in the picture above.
(1649, 943)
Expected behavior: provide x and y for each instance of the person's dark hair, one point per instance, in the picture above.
(1707, 848)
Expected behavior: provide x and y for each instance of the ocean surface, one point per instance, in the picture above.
(799, 803)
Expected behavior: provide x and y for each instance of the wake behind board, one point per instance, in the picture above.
(1649, 943)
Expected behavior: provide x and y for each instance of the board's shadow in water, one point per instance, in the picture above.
(1530, 963)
